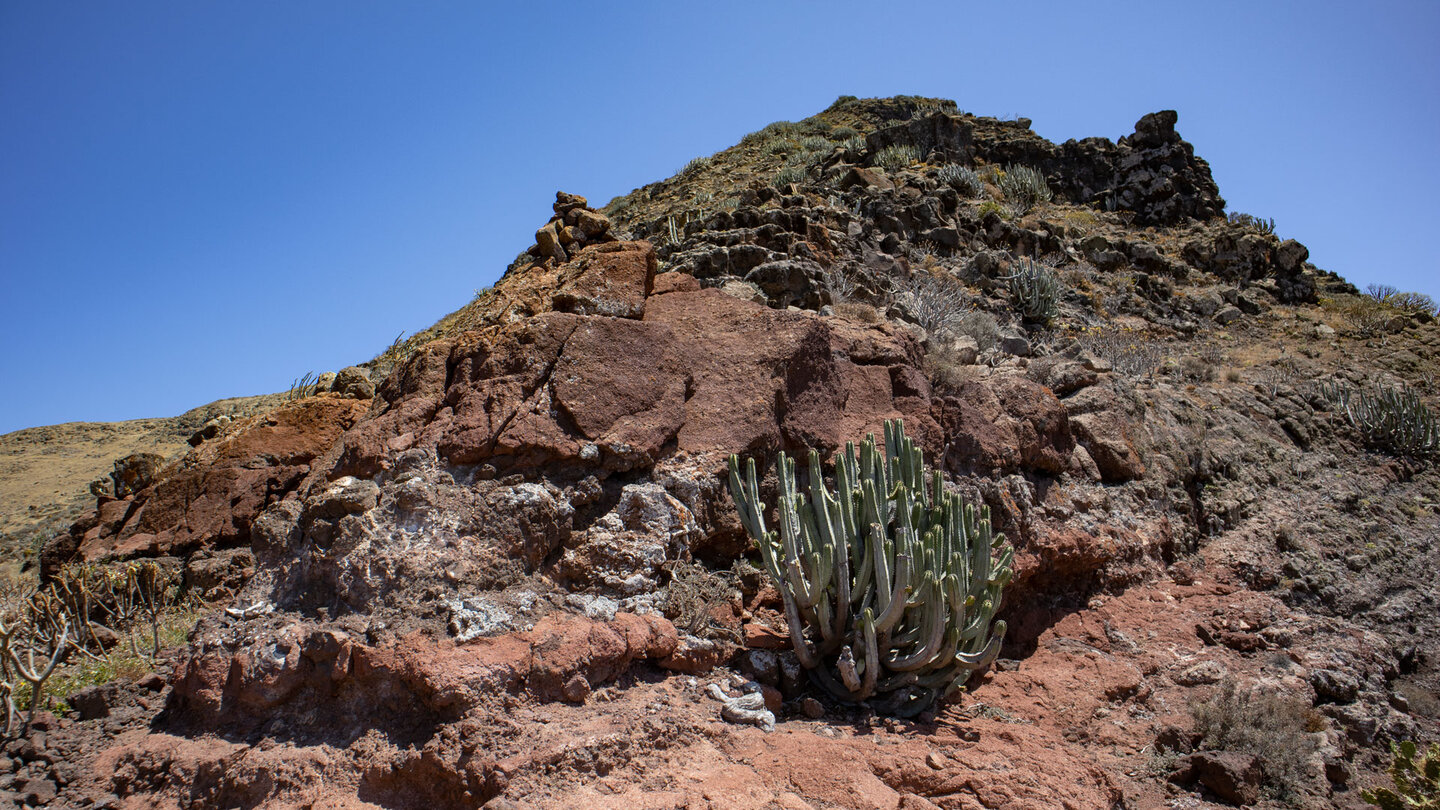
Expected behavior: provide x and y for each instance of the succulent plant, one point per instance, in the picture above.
(964, 180)
(1036, 291)
(890, 583)
(897, 156)
(1395, 420)
(1417, 784)
(1024, 187)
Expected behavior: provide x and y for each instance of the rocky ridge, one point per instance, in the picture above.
(482, 565)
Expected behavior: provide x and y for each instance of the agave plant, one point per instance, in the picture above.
(890, 583)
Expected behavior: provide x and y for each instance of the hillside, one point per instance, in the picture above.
(510, 571)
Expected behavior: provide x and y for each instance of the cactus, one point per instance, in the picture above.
(1024, 188)
(1417, 784)
(1036, 291)
(890, 583)
(1395, 420)
(962, 179)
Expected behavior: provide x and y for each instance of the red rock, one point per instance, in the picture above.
(762, 637)
(612, 279)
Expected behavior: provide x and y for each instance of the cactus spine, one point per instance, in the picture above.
(890, 583)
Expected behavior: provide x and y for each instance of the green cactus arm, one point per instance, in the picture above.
(986, 656)
(932, 630)
(892, 610)
(803, 651)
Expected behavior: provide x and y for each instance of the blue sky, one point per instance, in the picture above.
(203, 199)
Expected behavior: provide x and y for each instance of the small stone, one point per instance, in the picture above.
(1202, 673)
(936, 761)
(35, 790)
(577, 689)
(1016, 345)
(1228, 315)
(812, 708)
(969, 735)
(153, 682)
(91, 703)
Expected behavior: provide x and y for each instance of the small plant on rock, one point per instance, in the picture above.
(1024, 187)
(1036, 291)
(890, 583)
(1417, 782)
(963, 180)
(897, 156)
(1393, 419)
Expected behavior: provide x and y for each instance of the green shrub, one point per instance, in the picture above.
(889, 583)
(1263, 226)
(1404, 301)
(1417, 785)
(1036, 291)
(1393, 419)
(961, 179)
(897, 156)
(695, 165)
(788, 175)
(1024, 187)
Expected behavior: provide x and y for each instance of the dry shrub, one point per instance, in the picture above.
(693, 592)
(855, 311)
(1278, 729)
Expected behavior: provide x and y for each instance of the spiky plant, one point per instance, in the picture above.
(897, 156)
(890, 583)
(1417, 783)
(788, 175)
(1024, 187)
(964, 180)
(1036, 291)
(1393, 419)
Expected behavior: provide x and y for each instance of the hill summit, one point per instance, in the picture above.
(501, 564)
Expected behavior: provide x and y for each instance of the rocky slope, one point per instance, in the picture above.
(510, 577)
(45, 481)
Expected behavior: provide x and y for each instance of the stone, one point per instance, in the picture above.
(1333, 686)
(547, 239)
(623, 551)
(613, 279)
(1205, 672)
(592, 223)
(36, 790)
(1228, 315)
(91, 703)
(136, 472)
(1233, 777)
(1016, 345)
(353, 382)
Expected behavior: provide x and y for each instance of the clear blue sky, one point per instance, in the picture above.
(207, 199)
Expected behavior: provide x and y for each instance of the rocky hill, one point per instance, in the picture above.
(510, 573)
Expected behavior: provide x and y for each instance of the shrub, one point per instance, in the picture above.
(980, 326)
(1264, 226)
(1128, 352)
(855, 143)
(1417, 785)
(695, 165)
(890, 583)
(788, 175)
(1404, 301)
(897, 156)
(1036, 291)
(1276, 728)
(1393, 419)
(961, 179)
(935, 302)
(1024, 187)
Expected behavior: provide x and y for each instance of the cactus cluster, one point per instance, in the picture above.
(1417, 779)
(964, 180)
(1395, 420)
(1024, 187)
(890, 583)
(1036, 291)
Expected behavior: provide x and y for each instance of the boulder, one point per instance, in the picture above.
(136, 472)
